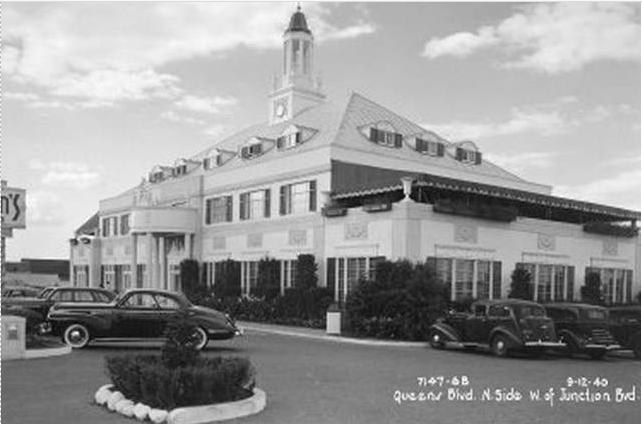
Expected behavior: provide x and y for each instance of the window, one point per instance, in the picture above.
(348, 272)
(385, 138)
(498, 311)
(126, 276)
(101, 297)
(109, 275)
(551, 282)
(218, 209)
(289, 140)
(468, 156)
(174, 277)
(298, 198)
(110, 226)
(124, 224)
(616, 284)
(166, 302)
(251, 151)
(472, 278)
(255, 204)
(156, 177)
(213, 161)
(480, 310)
(431, 148)
(81, 275)
(83, 296)
(140, 300)
(288, 274)
(249, 276)
(180, 170)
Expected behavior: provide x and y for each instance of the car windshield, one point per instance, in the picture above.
(43, 294)
(530, 311)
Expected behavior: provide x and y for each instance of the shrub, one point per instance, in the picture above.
(146, 379)
(268, 284)
(306, 272)
(191, 285)
(401, 302)
(228, 280)
(591, 291)
(521, 286)
(179, 348)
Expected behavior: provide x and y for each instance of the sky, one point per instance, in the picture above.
(95, 94)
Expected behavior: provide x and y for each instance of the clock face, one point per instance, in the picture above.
(281, 110)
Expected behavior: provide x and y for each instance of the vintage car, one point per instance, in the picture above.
(20, 291)
(583, 327)
(503, 325)
(624, 323)
(136, 314)
(51, 295)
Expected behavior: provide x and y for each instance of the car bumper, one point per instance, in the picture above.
(540, 343)
(595, 346)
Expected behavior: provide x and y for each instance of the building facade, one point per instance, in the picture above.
(351, 182)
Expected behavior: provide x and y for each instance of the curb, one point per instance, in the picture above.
(336, 339)
(46, 353)
(115, 401)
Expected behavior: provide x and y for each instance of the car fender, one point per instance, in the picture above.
(446, 330)
(513, 339)
(61, 319)
(568, 335)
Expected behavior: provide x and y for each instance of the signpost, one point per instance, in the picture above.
(14, 213)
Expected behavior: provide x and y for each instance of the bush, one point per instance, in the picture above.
(191, 284)
(400, 303)
(146, 379)
(268, 283)
(521, 286)
(306, 272)
(179, 348)
(591, 291)
(228, 280)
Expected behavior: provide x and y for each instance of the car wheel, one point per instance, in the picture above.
(199, 338)
(500, 346)
(436, 339)
(77, 336)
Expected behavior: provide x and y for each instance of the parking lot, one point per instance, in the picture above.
(315, 381)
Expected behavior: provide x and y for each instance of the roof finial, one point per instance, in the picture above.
(298, 6)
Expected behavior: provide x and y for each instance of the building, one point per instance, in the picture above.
(351, 182)
(37, 272)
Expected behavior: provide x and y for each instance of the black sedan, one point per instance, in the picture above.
(136, 314)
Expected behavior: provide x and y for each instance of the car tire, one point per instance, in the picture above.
(200, 337)
(499, 345)
(435, 339)
(77, 336)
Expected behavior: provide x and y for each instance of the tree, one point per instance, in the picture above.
(268, 284)
(192, 286)
(521, 286)
(227, 282)
(306, 272)
(592, 289)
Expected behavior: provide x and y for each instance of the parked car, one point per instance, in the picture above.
(624, 324)
(583, 327)
(51, 295)
(139, 314)
(503, 325)
(20, 291)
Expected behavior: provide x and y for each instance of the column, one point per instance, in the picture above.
(163, 283)
(188, 245)
(72, 279)
(155, 280)
(133, 266)
(475, 279)
(150, 264)
(282, 283)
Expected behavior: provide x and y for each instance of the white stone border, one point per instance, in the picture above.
(47, 352)
(115, 401)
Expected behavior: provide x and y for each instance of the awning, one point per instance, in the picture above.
(353, 180)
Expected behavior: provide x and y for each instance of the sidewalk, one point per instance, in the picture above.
(313, 333)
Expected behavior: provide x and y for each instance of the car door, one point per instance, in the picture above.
(169, 310)
(135, 316)
(477, 324)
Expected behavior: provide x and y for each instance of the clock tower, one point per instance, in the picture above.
(297, 88)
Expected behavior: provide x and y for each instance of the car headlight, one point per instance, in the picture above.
(528, 334)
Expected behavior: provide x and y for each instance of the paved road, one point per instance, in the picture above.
(317, 382)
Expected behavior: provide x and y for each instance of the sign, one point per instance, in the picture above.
(14, 207)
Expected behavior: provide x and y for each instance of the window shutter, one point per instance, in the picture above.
(440, 149)
(244, 152)
(497, 280)
(266, 212)
(459, 154)
(330, 274)
(208, 211)
(374, 137)
(313, 195)
(628, 297)
(298, 138)
(419, 145)
(229, 213)
(381, 136)
(283, 195)
(431, 262)
(570, 283)
(258, 148)
(219, 160)
(243, 206)
(478, 158)
(206, 163)
(398, 140)
(279, 142)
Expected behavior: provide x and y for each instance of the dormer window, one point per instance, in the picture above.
(156, 176)
(213, 161)
(251, 151)
(468, 156)
(180, 170)
(386, 138)
(432, 148)
(288, 141)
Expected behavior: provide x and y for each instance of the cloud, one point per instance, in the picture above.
(174, 117)
(553, 37)
(520, 162)
(44, 208)
(35, 101)
(546, 119)
(69, 174)
(20, 96)
(211, 105)
(103, 51)
(615, 189)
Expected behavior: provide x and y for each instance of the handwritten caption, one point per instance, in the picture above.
(458, 388)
